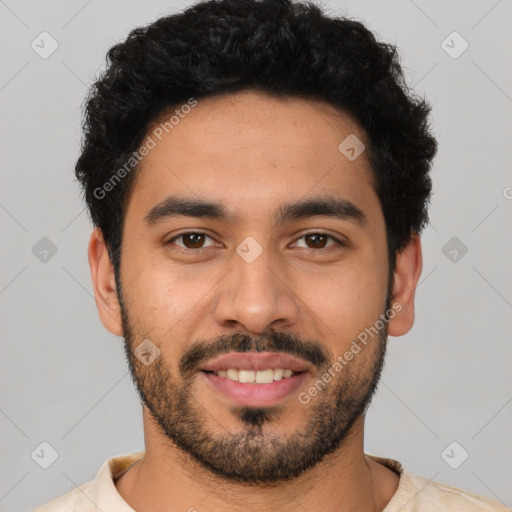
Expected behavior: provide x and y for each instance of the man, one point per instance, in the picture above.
(258, 177)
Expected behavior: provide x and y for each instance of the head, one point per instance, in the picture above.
(258, 175)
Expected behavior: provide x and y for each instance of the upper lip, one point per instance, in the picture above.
(256, 361)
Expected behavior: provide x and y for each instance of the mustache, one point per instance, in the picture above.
(272, 341)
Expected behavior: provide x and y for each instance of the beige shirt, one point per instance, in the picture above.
(414, 493)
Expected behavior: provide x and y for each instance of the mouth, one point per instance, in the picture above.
(256, 379)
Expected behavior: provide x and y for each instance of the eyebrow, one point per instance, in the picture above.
(328, 206)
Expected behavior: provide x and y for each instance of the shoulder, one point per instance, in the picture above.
(98, 494)
(417, 494)
(80, 499)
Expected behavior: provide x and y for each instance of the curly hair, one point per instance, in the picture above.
(281, 48)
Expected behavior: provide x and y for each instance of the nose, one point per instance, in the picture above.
(256, 296)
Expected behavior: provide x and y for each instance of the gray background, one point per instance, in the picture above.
(64, 379)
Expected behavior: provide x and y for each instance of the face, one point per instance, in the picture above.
(254, 249)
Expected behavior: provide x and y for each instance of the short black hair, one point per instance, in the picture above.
(281, 48)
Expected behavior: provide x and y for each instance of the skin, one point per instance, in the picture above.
(253, 153)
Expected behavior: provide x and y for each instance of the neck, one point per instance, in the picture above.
(166, 479)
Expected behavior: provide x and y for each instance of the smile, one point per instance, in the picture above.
(255, 377)
(255, 394)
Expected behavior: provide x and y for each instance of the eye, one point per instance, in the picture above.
(191, 240)
(318, 241)
(197, 240)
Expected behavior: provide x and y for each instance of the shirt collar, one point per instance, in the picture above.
(108, 498)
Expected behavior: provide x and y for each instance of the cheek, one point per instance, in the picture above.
(164, 300)
(161, 300)
(347, 298)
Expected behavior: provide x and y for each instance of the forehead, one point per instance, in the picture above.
(250, 150)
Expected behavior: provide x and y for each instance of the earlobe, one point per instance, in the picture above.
(103, 280)
(409, 263)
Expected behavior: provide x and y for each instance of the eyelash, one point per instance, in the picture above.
(199, 250)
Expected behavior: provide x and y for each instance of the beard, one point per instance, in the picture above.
(254, 453)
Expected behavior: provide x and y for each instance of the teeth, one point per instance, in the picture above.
(264, 376)
(246, 376)
(232, 374)
(278, 374)
(251, 376)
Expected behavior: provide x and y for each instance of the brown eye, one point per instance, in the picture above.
(192, 240)
(316, 240)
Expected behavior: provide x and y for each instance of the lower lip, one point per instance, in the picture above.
(256, 395)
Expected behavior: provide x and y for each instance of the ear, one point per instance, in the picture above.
(409, 263)
(104, 283)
